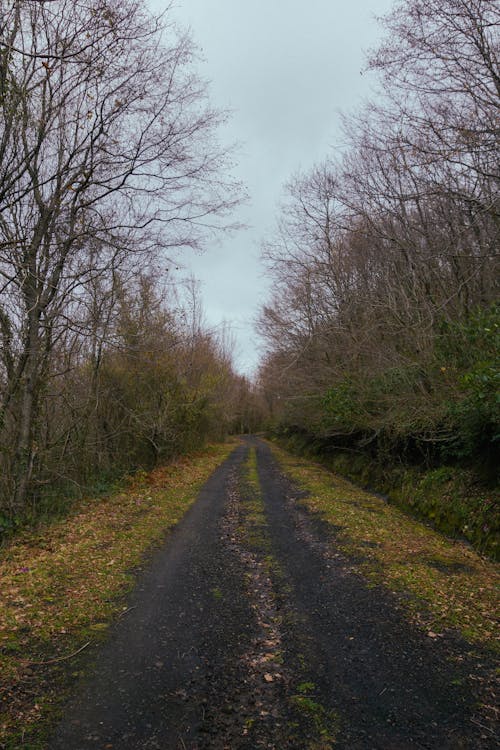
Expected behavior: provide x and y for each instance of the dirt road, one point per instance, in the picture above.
(250, 630)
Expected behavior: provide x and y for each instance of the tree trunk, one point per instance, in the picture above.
(24, 455)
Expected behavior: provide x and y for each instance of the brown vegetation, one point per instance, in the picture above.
(383, 331)
(108, 163)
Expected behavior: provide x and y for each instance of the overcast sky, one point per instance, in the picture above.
(286, 68)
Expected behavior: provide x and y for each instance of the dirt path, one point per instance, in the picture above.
(251, 631)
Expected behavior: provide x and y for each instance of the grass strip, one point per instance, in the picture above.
(317, 726)
(64, 583)
(450, 585)
(254, 529)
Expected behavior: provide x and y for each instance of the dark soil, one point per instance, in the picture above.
(263, 636)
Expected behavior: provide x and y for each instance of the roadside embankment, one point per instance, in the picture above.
(444, 583)
(455, 500)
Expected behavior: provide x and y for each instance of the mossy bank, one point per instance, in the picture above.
(455, 500)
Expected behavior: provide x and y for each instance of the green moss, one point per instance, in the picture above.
(305, 687)
(254, 527)
(324, 723)
(453, 499)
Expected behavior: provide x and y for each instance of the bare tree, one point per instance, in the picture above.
(107, 147)
(441, 76)
(378, 256)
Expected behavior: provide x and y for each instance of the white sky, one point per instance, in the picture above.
(286, 68)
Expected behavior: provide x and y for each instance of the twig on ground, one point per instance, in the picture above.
(60, 658)
(125, 612)
(487, 729)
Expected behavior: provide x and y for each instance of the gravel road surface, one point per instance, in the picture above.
(249, 629)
